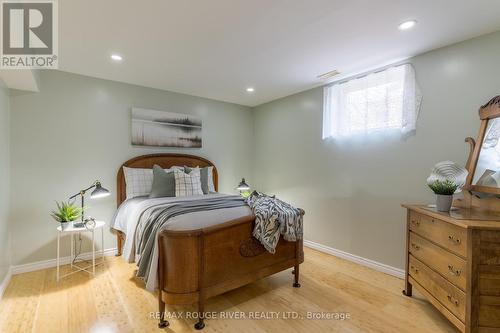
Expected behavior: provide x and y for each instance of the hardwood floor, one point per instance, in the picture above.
(114, 301)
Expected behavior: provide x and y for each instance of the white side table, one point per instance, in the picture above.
(72, 231)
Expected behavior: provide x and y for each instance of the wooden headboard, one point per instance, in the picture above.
(165, 161)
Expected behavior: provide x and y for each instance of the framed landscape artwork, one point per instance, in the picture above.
(165, 129)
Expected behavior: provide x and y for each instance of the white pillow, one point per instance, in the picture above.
(139, 182)
(187, 184)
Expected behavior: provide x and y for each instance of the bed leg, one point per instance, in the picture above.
(163, 323)
(296, 283)
(200, 324)
(119, 244)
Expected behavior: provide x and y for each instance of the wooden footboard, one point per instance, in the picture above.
(196, 265)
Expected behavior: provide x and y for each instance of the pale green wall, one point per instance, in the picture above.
(352, 190)
(77, 130)
(4, 181)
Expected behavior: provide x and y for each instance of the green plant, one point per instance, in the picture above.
(443, 187)
(66, 212)
(245, 194)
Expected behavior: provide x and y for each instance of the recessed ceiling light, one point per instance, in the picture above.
(407, 25)
(250, 89)
(116, 57)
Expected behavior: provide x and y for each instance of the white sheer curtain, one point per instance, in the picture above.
(385, 100)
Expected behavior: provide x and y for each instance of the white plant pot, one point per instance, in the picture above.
(443, 202)
(66, 225)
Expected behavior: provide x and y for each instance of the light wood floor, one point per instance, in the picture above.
(114, 301)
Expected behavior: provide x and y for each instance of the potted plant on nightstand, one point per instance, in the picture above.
(66, 214)
(444, 190)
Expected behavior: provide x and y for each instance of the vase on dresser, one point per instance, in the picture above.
(443, 202)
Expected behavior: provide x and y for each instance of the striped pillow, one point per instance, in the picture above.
(187, 184)
(206, 178)
(138, 181)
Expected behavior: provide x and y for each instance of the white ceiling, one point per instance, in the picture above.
(218, 48)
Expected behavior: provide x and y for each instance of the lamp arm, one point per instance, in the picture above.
(74, 196)
(82, 192)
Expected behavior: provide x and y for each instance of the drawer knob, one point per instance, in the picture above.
(415, 222)
(415, 246)
(453, 300)
(454, 240)
(413, 268)
(453, 271)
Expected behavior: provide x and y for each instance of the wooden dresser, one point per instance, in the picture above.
(453, 259)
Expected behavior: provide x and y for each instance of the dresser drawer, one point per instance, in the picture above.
(440, 232)
(445, 292)
(450, 266)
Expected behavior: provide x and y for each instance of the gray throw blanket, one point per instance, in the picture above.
(153, 220)
(274, 217)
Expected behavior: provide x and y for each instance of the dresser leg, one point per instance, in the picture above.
(408, 287)
(408, 291)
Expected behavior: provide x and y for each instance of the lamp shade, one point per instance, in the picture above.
(99, 191)
(243, 186)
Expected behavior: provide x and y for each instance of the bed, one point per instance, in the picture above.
(206, 259)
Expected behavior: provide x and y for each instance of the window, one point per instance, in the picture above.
(381, 101)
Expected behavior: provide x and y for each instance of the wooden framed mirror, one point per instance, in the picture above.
(484, 162)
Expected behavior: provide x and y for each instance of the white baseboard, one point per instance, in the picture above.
(397, 272)
(5, 282)
(35, 266)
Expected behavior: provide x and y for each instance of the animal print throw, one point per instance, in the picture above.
(273, 218)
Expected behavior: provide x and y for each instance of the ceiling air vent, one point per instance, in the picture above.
(328, 75)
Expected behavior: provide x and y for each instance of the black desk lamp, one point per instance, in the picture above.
(243, 186)
(98, 192)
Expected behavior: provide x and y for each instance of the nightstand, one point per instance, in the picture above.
(75, 268)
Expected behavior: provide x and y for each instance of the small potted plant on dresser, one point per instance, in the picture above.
(66, 214)
(444, 190)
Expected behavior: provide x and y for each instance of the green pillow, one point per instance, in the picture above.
(163, 183)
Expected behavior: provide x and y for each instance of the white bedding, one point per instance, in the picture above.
(128, 214)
